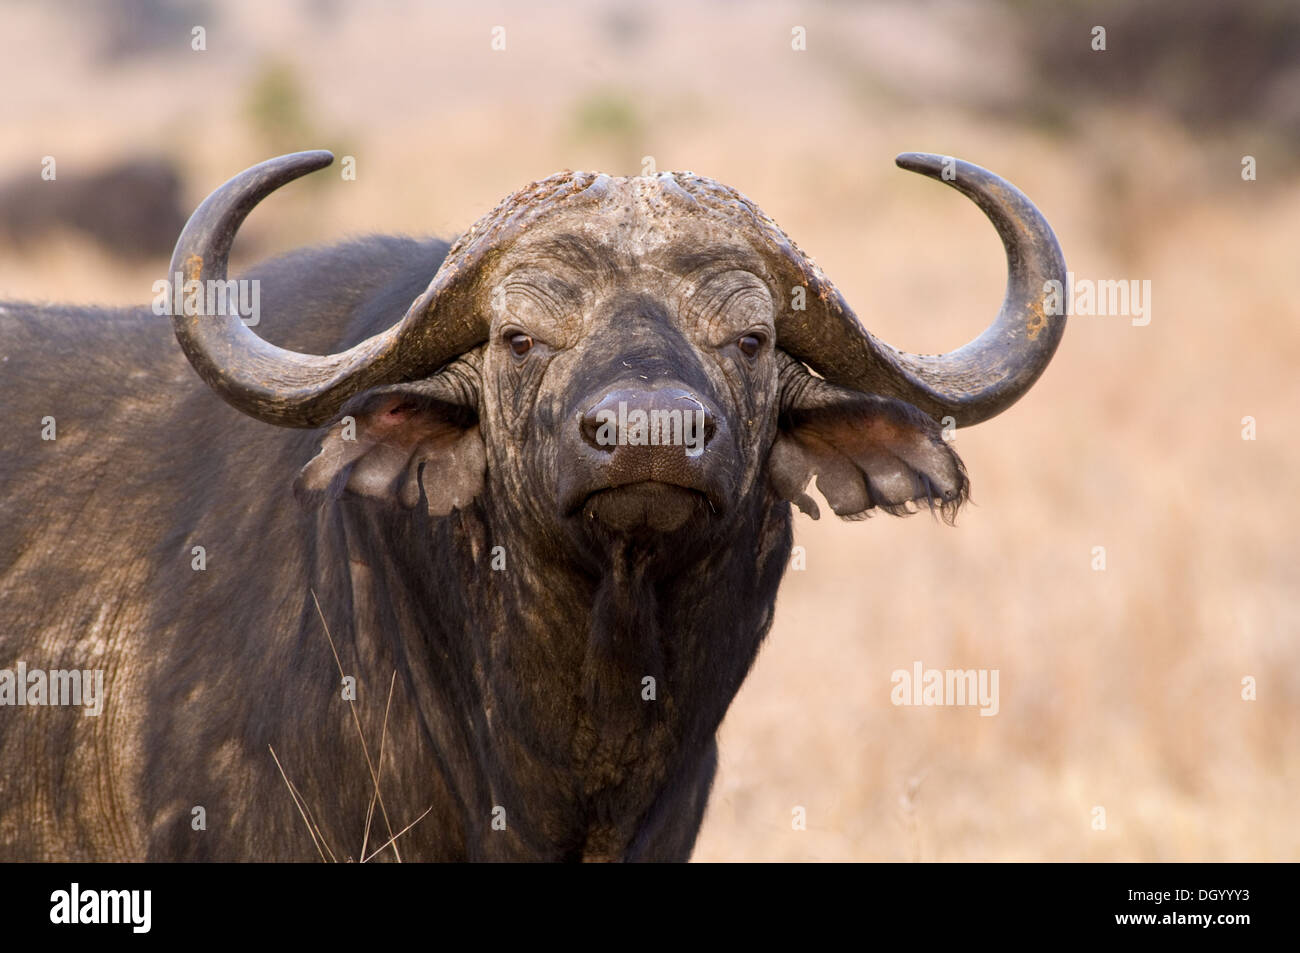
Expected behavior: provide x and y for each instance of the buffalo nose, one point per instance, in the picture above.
(666, 416)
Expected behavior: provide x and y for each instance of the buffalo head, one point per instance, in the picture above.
(614, 358)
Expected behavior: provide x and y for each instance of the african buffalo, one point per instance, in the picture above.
(544, 480)
(132, 208)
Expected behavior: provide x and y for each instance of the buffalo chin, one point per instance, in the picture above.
(648, 507)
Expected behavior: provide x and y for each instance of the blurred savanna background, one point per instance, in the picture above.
(1122, 669)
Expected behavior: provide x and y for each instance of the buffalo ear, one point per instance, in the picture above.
(391, 441)
(867, 452)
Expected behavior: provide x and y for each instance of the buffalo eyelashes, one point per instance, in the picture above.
(519, 343)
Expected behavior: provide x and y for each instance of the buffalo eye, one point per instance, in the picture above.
(520, 344)
(750, 344)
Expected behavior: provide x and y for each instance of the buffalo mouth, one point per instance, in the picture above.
(647, 506)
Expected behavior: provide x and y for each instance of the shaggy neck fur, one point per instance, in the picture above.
(598, 693)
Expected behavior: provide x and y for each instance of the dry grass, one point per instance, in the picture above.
(1121, 688)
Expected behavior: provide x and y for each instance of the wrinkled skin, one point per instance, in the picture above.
(515, 584)
(673, 318)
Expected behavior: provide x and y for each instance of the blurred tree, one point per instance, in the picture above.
(276, 109)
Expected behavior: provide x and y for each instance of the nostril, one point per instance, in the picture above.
(691, 404)
(592, 422)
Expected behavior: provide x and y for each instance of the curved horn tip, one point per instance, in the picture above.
(270, 174)
(926, 163)
(314, 158)
(291, 165)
